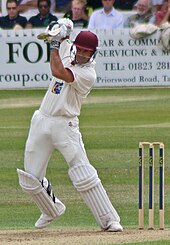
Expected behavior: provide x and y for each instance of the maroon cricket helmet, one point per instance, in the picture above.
(86, 40)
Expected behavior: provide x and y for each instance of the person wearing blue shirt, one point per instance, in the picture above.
(13, 18)
(44, 17)
(107, 17)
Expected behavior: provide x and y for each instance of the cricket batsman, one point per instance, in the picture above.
(56, 126)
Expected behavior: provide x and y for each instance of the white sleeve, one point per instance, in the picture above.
(91, 24)
(84, 79)
(120, 22)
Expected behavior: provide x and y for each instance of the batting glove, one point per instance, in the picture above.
(67, 23)
(57, 30)
(55, 44)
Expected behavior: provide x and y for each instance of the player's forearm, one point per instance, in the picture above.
(57, 68)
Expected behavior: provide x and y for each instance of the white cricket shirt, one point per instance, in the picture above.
(65, 99)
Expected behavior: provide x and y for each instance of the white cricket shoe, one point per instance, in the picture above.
(46, 219)
(114, 227)
(43, 221)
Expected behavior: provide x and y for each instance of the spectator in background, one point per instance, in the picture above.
(13, 19)
(163, 15)
(106, 18)
(44, 17)
(144, 14)
(78, 14)
(124, 4)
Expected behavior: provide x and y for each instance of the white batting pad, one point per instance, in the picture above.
(83, 176)
(87, 182)
(33, 186)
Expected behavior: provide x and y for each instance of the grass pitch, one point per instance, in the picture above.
(112, 123)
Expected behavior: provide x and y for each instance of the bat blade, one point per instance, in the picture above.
(42, 36)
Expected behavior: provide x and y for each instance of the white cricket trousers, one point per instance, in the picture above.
(62, 133)
(49, 133)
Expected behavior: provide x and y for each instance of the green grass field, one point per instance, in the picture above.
(112, 122)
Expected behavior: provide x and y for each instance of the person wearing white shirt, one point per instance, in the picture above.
(55, 125)
(106, 18)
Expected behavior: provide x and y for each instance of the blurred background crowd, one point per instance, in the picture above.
(89, 14)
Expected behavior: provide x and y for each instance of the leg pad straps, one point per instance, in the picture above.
(49, 205)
